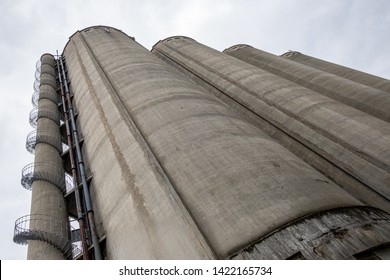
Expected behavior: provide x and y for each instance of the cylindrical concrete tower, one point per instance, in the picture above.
(46, 229)
(349, 139)
(178, 170)
(365, 98)
(177, 173)
(342, 71)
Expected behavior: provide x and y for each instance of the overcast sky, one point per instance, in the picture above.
(351, 33)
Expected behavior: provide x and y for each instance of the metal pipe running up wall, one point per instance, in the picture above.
(79, 208)
(347, 138)
(81, 168)
(235, 182)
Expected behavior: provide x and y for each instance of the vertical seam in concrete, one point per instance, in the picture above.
(380, 83)
(379, 165)
(146, 147)
(346, 181)
(344, 98)
(128, 178)
(324, 133)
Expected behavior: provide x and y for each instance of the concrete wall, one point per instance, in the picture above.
(365, 98)
(327, 131)
(342, 71)
(142, 215)
(337, 234)
(49, 216)
(177, 173)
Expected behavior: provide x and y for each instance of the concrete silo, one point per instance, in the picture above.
(331, 132)
(339, 70)
(365, 98)
(180, 170)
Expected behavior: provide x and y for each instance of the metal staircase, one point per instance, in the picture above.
(44, 172)
(55, 105)
(29, 227)
(45, 136)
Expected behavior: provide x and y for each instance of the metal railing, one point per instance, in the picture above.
(36, 84)
(45, 136)
(77, 248)
(31, 141)
(43, 172)
(27, 176)
(33, 118)
(38, 74)
(69, 183)
(65, 93)
(35, 98)
(47, 229)
(35, 114)
(38, 66)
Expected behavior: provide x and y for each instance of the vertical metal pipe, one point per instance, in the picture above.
(80, 216)
(87, 197)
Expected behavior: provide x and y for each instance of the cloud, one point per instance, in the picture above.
(352, 33)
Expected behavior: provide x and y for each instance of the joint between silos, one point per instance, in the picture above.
(146, 147)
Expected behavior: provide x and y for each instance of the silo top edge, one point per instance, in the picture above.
(45, 54)
(289, 53)
(106, 27)
(238, 46)
(173, 38)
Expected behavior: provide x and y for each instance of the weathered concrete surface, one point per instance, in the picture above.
(355, 142)
(142, 216)
(48, 92)
(183, 175)
(38, 250)
(49, 216)
(342, 71)
(50, 134)
(341, 177)
(49, 110)
(367, 99)
(337, 234)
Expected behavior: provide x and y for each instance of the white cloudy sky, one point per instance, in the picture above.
(355, 33)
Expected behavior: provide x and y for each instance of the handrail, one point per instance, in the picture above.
(47, 229)
(69, 183)
(35, 98)
(37, 75)
(31, 141)
(43, 172)
(36, 84)
(45, 136)
(27, 176)
(77, 246)
(38, 66)
(35, 114)
(33, 117)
